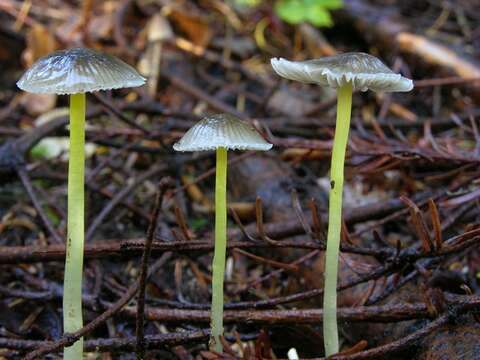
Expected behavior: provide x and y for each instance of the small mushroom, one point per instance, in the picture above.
(75, 72)
(159, 31)
(344, 72)
(220, 132)
(362, 71)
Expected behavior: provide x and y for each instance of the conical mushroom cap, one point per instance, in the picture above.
(364, 71)
(78, 71)
(221, 130)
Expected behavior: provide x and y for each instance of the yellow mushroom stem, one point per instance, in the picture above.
(330, 329)
(72, 285)
(218, 265)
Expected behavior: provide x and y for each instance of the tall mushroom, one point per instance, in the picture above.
(345, 72)
(220, 132)
(75, 72)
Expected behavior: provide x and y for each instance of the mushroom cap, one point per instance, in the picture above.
(78, 70)
(364, 71)
(221, 130)
(159, 29)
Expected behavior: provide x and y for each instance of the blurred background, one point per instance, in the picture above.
(412, 180)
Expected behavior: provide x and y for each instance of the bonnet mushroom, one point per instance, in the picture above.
(75, 72)
(345, 72)
(221, 132)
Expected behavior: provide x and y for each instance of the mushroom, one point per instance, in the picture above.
(345, 72)
(75, 72)
(220, 132)
(159, 31)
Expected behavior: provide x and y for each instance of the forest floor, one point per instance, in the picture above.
(410, 261)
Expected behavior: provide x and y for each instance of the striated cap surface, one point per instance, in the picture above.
(364, 71)
(78, 70)
(221, 130)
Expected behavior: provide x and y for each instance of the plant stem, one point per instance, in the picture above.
(218, 265)
(330, 330)
(72, 285)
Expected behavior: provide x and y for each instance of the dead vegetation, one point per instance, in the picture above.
(410, 261)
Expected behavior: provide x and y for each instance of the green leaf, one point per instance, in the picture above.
(319, 16)
(197, 224)
(330, 4)
(315, 12)
(291, 11)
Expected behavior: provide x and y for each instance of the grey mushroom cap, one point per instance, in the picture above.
(78, 70)
(221, 130)
(364, 71)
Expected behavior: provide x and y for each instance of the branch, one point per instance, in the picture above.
(383, 313)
